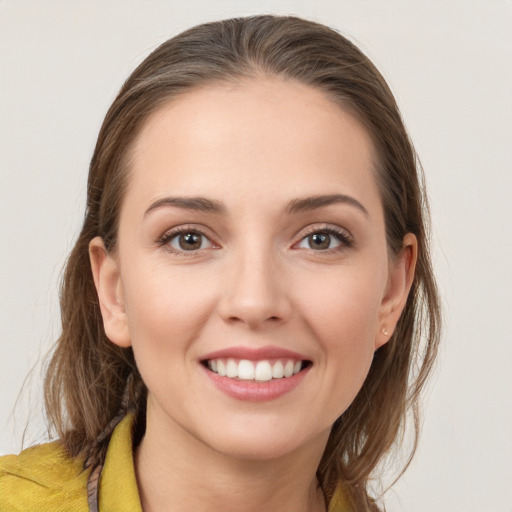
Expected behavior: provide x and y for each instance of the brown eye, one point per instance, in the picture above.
(319, 241)
(325, 240)
(189, 241)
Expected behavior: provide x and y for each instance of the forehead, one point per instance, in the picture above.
(259, 136)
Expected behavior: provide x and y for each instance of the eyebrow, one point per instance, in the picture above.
(314, 202)
(202, 204)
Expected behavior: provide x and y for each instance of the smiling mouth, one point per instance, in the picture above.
(264, 370)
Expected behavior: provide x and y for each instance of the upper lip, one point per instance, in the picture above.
(255, 354)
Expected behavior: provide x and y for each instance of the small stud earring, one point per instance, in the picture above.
(385, 331)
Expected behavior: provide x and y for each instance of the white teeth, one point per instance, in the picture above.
(221, 369)
(262, 371)
(288, 369)
(246, 370)
(231, 368)
(278, 370)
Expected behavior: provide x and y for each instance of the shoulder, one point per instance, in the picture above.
(42, 478)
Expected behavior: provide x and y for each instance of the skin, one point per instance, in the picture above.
(255, 281)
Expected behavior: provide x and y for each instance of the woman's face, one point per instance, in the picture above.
(251, 247)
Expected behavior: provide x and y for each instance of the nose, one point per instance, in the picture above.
(255, 292)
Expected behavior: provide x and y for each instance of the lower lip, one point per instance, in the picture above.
(254, 391)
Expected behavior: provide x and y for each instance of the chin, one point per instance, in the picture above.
(260, 442)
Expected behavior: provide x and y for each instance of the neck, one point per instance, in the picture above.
(173, 467)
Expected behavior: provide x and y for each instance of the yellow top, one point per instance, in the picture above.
(44, 478)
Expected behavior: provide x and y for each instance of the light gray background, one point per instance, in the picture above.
(449, 63)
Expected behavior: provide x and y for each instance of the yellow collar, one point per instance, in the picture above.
(118, 485)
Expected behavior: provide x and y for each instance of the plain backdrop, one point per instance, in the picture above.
(449, 63)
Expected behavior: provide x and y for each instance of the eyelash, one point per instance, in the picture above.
(342, 236)
(165, 239)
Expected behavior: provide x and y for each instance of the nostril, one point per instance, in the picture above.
(253, 320)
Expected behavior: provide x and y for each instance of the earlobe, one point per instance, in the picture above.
(401, 277)
(107, 279)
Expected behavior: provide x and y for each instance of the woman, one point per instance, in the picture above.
(243, 308)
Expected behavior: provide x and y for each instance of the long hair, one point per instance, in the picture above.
(90, 381)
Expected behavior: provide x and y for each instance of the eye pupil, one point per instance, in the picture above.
(190, 241)
(320, 240)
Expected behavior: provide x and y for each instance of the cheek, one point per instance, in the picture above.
(344, 308)
(165, 305)
(343, 314)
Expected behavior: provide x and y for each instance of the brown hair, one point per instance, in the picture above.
(90, 381)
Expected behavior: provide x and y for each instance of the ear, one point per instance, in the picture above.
(107, 279)
(401, 276)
